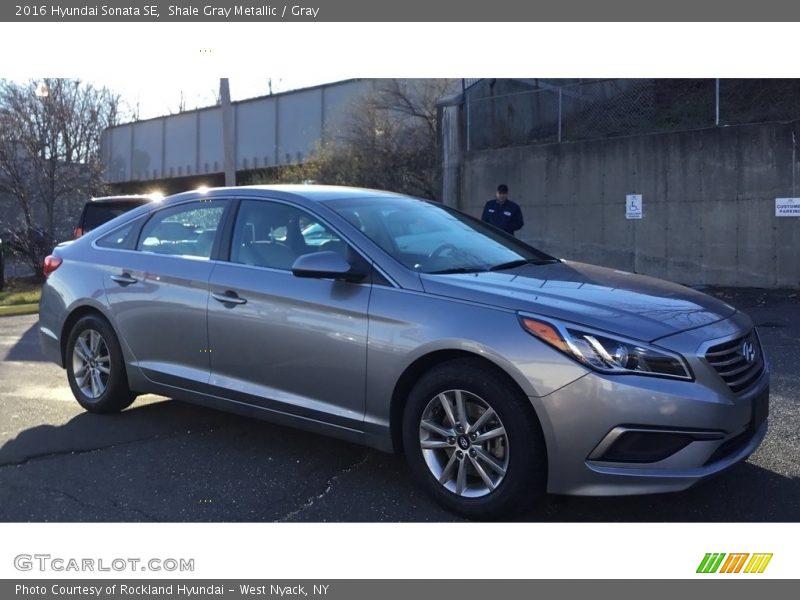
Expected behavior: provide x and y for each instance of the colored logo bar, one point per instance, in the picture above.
(737, 562)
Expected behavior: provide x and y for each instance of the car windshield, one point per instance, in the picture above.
(431, 238)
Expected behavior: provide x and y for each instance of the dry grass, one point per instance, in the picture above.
(18, 309)
(22, 290)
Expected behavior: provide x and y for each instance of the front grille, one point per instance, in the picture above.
(738, 368)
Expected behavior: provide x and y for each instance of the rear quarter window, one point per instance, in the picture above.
(120, 238)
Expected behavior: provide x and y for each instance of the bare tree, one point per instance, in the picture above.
(387, 141)
(49, 151)
(181, 105)
(270, 82)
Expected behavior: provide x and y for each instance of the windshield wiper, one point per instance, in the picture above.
(501, 267)
(457, 270)
(518, 263)
(509, 265)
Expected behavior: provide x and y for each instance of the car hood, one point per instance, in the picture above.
(631, 305)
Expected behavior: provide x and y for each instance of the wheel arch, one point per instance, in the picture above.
(422, 365)
(76, 315)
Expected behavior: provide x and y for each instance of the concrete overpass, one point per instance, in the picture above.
(184, 150)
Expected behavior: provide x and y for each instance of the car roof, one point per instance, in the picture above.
(319, 193)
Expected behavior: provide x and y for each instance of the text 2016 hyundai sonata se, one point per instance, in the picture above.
(499, 371)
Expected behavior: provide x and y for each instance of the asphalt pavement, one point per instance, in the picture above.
(167, 461)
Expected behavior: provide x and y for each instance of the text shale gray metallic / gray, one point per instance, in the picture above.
(240, 10)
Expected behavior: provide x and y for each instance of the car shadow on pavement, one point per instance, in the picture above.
(91, 432)
(165, 460)
(27, 348)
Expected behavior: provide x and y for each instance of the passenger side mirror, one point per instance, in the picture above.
(327, 265)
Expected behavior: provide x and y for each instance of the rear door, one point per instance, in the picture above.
(158, 292)
(281, 342)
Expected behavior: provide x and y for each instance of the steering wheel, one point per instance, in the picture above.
(439, 250)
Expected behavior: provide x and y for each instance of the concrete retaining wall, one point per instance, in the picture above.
(708, 197)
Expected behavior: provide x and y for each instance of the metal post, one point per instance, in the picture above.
(794, 164)
(466, 101)
(229, 158)
(716, 122)
(559, 115)
(277, 138)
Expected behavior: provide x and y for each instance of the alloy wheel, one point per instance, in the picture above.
(91, 363)
(464, 443)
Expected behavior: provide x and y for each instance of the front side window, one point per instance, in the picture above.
(185, 230)
(431, 238)
(273, 235)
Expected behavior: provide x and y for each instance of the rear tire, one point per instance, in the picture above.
(473, 441)
(96, 368)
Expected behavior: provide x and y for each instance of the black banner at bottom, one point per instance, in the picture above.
(393, 589)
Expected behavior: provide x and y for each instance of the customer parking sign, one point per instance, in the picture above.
(787, 207)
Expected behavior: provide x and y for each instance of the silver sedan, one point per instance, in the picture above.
(499, 371)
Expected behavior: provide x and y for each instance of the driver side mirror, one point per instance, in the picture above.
(328, 265)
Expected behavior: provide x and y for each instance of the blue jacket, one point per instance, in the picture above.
(506, 216)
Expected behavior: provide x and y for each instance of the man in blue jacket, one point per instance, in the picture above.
(502, 212)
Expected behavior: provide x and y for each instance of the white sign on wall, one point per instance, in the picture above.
(633, 206)
(787, 207)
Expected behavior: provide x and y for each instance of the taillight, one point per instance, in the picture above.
(77, 232)
(51, 263)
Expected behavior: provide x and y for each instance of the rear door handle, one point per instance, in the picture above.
(228, 297)
(124, 279)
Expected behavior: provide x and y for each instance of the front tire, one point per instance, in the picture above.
(96, 368)
(473, 442)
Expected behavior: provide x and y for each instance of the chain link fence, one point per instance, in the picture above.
(498, 116)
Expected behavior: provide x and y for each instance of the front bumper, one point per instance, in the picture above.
(582, 420)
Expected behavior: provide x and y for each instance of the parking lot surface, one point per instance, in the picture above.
(163, 460)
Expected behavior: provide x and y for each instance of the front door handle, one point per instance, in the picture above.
(228, 297)
(124, 279)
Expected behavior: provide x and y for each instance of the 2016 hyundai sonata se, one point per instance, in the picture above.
(499, 371)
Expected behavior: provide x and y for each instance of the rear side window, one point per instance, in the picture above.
(185, 230)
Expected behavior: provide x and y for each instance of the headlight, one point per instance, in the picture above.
(606, 353)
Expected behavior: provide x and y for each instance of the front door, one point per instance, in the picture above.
(282, 342)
